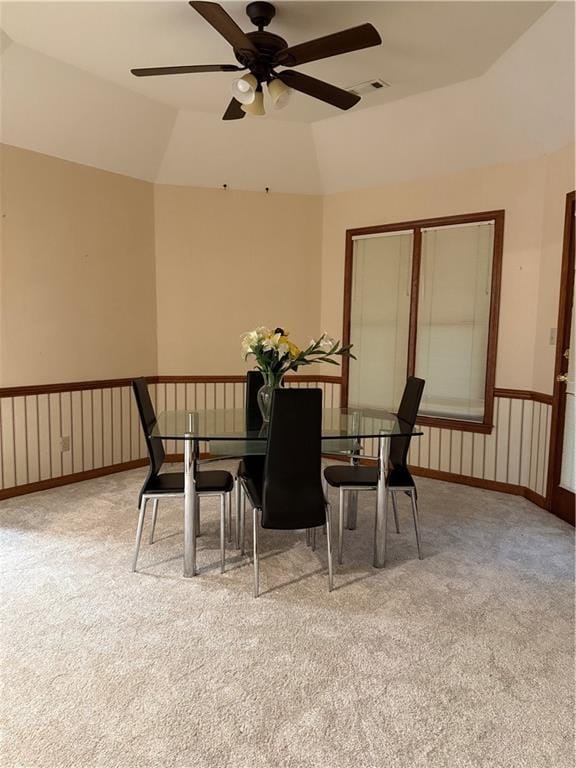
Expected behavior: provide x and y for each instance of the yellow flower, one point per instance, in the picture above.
(294, 350)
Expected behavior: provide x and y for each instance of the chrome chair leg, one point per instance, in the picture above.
(256, 561)
(229, 510)
(223, 504)
(242, 521)
(416, 523)
(395, 509)
(198, 517)
(238, 492)
(308, 537)
(313, 539)
(139, 532)
(341, 526)
(352, 511)
(154, 517)
(329, 546)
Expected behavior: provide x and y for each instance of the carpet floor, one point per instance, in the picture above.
(461, 660)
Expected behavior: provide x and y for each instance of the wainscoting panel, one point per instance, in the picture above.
(100, 423)
(62, 433)
(514, 454)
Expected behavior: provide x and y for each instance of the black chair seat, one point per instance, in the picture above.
(210, 481)
(367, 477)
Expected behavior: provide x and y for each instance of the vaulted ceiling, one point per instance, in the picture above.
(470, 83)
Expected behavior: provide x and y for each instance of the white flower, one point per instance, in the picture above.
(249, 341)
(283, 350)
(326, 343)
(269, 345)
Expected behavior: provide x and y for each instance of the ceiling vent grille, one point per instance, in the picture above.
(369, 86)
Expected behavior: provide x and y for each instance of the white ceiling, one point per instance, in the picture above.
(521, 107)
(426, 45)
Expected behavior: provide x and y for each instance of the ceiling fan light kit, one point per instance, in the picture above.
(256, 106)
(261, 52)
(244, 89)
(279, 93)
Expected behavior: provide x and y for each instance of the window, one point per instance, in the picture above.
(421, 298)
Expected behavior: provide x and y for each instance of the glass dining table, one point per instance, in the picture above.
(231, 426)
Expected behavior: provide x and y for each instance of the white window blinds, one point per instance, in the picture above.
(380, 317)
(453, 319)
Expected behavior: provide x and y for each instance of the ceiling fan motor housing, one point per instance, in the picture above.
(260, 13)
(268, 45)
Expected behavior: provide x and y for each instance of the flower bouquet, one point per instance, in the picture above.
(275, 355)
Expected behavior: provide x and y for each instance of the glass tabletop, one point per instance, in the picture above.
(231, 424)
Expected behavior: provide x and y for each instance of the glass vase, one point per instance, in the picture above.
(272, 381)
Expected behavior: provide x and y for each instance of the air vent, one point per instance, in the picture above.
(369, 86)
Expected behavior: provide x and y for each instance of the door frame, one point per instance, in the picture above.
(558, 410)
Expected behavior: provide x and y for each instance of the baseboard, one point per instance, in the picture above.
(489, 485)
(435, 474)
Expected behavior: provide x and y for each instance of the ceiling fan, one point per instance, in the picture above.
(261, 52)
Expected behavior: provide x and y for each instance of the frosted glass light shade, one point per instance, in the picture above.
(279, 93)
(256, 108)
(244, 89)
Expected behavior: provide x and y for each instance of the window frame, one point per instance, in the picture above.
(486, 425)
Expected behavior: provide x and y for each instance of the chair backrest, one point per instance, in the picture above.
(292, 495)
(147, 420)
(407, 413)
(254, 380)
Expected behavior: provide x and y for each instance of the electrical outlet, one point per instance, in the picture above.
(552, 340)
(64, 444)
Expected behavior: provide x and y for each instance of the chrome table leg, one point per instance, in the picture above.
(382, 503)
(190, 507)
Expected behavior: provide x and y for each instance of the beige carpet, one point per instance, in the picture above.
(463, 659)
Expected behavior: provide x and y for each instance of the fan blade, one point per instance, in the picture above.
(226, 26)
(318, 89)
(354, 39)
(234, 111)
(150, 71)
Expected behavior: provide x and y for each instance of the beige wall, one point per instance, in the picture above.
(559, 182)
(89, 259)
(227, 262)
(77, 297)
(532, 193)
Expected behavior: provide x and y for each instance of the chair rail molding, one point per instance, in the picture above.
(54, 434)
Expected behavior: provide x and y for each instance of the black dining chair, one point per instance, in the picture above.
(285, 491)
(399, 478)
(171, 484)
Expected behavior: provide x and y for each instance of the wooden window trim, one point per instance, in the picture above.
(486, 425)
